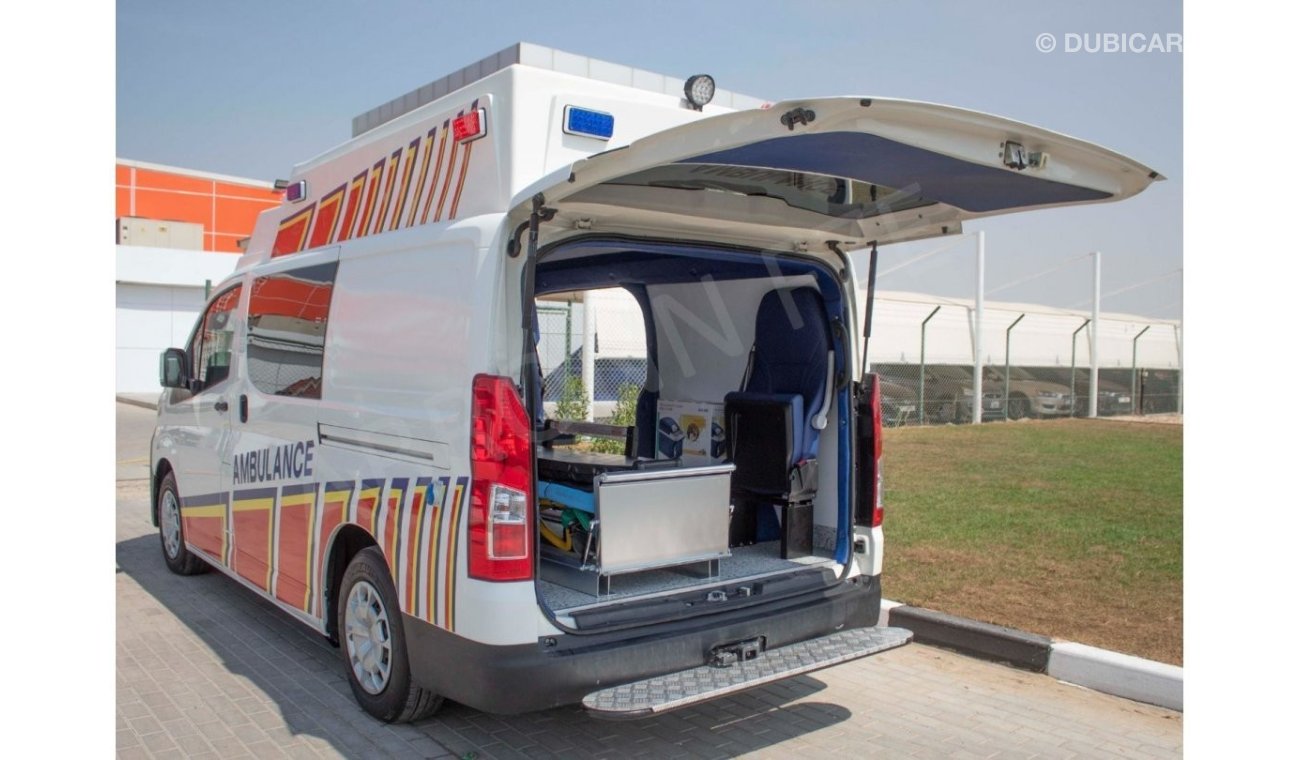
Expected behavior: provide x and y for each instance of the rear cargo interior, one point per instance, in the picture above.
(734, 467)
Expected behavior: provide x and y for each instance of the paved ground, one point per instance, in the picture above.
(206, 669)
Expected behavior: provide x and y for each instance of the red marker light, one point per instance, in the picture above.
(470, 126)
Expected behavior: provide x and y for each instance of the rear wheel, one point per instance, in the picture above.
(1018, 408)
(171, 530)
(948, 412)
(373, 643)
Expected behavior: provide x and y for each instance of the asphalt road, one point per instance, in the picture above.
(207, 669)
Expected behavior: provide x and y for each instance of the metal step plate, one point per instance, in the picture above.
(669, 692)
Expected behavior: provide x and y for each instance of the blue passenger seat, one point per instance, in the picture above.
(775, 421)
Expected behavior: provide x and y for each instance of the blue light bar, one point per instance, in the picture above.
(588, 123)
(296, 192)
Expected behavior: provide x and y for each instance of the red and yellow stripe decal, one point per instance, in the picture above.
(278, 538)
(296, 538)
(204, 522)
(293, 232)
(328, 214)
(408, 168)
(349, 212)
(335, 505)
(372, 194)
(424, 175)
(446, 181)
(396, 159)
(367, 507)
(453, 544)
(437, 172)
(414, 547)
(354, 202)
(434, 540)
(392, 525)
(251, 512)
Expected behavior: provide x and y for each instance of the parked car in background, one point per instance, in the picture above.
(1157, 391)
(950, 395)
(898, 403)
(1031, 397)
(1113, 397)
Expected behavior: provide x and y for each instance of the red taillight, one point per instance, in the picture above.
(878, 438)
(470, 126)
(500, 506)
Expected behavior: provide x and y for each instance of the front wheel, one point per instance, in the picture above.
(373, 643)
(1018, 408)
(171, 530)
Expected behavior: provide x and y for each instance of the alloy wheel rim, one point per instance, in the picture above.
(171, 525)
(369, 637)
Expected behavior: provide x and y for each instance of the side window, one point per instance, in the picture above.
(288, 313)
(210, 348)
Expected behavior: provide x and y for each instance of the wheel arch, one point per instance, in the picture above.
(345, 543)
(159, 473)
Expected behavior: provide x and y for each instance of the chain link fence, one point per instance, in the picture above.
(607, 388)
(921, 348)
(946, 396)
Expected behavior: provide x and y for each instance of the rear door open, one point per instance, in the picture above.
(812, 178)
(818, 178)
(821, 177)
(849, 170)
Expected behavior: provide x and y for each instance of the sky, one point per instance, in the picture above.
(251, 88)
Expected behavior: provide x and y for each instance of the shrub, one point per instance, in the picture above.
(573, 401)
(624, 414)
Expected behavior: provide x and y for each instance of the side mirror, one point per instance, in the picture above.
(174, 369)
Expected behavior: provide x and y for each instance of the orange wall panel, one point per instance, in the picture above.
(271, 197)
(163, 181)
(222, 243)
(226, 210)
(239, 216)
(156, 204)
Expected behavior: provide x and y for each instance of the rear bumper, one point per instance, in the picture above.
(563, 669)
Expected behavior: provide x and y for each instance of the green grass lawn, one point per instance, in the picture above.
(1069, 528)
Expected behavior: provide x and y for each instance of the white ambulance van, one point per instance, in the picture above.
(355, 429)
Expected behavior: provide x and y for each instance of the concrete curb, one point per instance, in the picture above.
(1119, 674)
(990, 642)
(1109, 672)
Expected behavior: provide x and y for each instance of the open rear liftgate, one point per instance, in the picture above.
(738, 667)
(897, 171)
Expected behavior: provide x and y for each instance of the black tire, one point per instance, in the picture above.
(395, 698)
(179, 559)
(1018, 408)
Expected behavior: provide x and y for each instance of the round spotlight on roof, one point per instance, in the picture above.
(699, 91)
